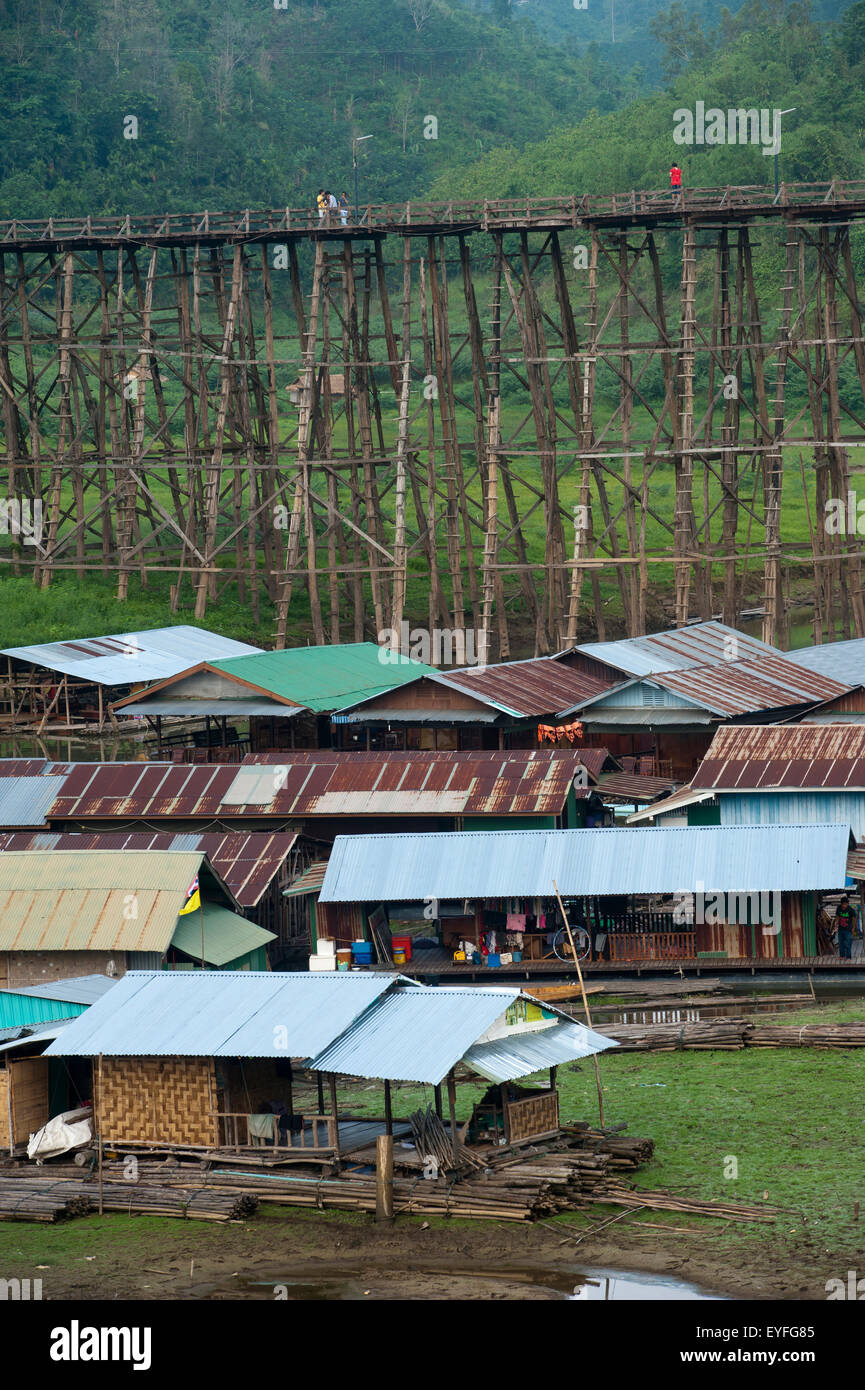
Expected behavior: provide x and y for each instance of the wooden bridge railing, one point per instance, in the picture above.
(568, 209)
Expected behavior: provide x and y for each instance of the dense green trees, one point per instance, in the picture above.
(255, 102)
(764, 56)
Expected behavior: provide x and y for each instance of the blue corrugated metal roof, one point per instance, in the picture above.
(697, 644)
(843, 661)
(221, 1014)
(24, 1037)
(81, 989)
(524, 863)
(124, 658)
(506, 1059)
(26, 800)
(419, 1035)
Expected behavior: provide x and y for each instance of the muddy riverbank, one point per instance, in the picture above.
(327, 1255)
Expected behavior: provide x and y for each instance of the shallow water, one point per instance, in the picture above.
(323, 1283)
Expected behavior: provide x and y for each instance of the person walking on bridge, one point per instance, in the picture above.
(675, 178)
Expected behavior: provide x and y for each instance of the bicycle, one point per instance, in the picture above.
(562, 946)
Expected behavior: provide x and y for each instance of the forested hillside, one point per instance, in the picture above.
(245, 103)
(768, 55)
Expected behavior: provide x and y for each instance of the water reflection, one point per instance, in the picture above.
(56, 749)
(612, 1286)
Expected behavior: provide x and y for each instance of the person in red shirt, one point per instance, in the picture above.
(675, 176)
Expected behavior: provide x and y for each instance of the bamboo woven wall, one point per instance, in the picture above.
(533, 1116)
(30, 1103)
(156, 1100)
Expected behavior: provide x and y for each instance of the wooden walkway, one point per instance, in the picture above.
(438, 963)
(825, 202)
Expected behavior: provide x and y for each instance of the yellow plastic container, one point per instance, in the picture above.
(459, 955)
(399, 956)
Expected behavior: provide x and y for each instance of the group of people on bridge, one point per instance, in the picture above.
(329, 207)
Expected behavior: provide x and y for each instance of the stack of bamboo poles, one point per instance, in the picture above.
(808, 1035)
(726, 1034)
(617, 1194)
(22, 1197)
(522, 1187)
(626, 1151)
(431, 1137)
(731, 1034)
(424, 1197)
(21, 1201)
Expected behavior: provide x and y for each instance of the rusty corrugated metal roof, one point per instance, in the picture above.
(528, 688)
(325, 783)
(745, 687)
(247, 862)
(310, 881)
(759, 757)
(631, 787)
(696, 644)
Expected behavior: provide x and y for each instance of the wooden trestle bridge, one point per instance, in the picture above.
(476, 414)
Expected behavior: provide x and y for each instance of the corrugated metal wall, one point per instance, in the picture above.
(796, 808)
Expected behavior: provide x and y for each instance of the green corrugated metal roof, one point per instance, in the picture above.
(227, 936)
(18, 1010)
(326, 679)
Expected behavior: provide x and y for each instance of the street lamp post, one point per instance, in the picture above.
(354, 144)
(776, 140)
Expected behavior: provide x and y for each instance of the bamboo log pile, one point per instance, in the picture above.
(524, 1187)
(431, 1137)
(808, 1035)
(725, 1034)
(627, 1152)
(731, 1034)
(20, 1201)
(27, 1198)
(617, 1194)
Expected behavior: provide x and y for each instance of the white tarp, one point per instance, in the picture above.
(62, 1133)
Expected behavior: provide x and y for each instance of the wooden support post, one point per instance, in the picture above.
(334, 1111)
(506, 1114)
(100, 1136)
(437, 1094)
(388, 1111)
(384, 1177)
(585, 998)
(452, 1109)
